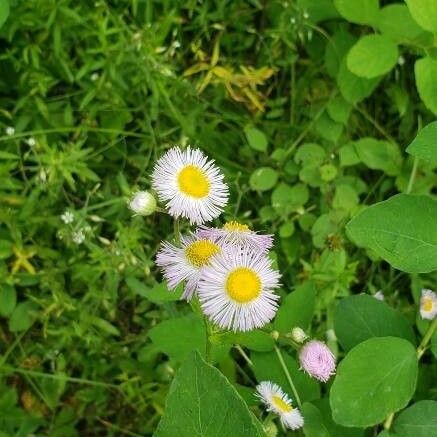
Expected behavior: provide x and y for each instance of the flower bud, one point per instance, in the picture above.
(298, 335)
(317, 360)
(143, 203)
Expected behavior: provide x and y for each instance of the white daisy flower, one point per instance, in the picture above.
(277, 401)
(143, 203)
(428, 304)
(237, 234)
(186, 262)
(190, 185)
(236, 290)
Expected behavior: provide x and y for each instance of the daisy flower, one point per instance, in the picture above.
(185, 263)
(317, 360)
(236, 290)
(235, 233)
(190, 185)
(278, 402)
(428, 305)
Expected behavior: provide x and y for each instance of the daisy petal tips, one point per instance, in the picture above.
(236, 291)
(185, 263)
(277, 401)
(190, 185)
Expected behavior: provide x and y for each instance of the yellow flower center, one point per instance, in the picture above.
(235, 226)
(193, 182)
(200, 252)
(427, 304)
(243, 285)
(281, 404)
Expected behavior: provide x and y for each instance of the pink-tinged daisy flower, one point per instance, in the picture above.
(277, 401)
(190, 185)
(236, 291)
(317, 360)
(237, 234)
(428, 305)
(185, 263)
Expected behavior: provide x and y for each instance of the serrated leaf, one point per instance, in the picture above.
(424, 146)
(202, 402)
(376, 378)
(402, 230)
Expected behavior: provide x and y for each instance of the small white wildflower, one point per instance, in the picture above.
(428, 304)
(94, 76)
(31, 142)
(379, 295)
(10, 131)
(78, 237)
(298, 335)
(67, 217)
(401, 60)
(143, 203)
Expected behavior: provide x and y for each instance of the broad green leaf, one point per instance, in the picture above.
(425, 70)
(266, 367)
(353, 88)
(336, 49)
(254, 340)
(177, 337)
(158, 293)
(424, 12)
(201, 402)
(4, 11)
(310, 154)
(358, 11)
(296, 309)
(402, 230)
(345, 198)
(376, 378)
(286, 198)
(419, 420)
(372, 56)
(256, 138)
(358, 318)
(313, 422)
(396, 23)
(424, 146)
(263, 179)
(24, 315)
(8, 299)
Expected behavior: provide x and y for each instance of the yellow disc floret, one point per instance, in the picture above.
(243, 285)
(427, 304)
(235, 226)
(193, 182)
(281, 404)
(200, 252)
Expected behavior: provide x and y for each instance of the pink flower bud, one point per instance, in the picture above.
(317, 360)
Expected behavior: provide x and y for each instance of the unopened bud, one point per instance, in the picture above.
(298, 335)
(275, 335)
(143, 203)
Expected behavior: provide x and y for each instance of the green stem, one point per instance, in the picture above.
(288, 376)
(177, 231)
(428, 334)
(208, 348)
(412, 175)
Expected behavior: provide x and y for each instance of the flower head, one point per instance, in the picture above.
(379, 295)
(237, 234)
(428, 305)
(185, 263)
(277, 401)
(10, 131)
(317, 360)
(190, 185)
(236, 291)
(78, 237)
(67, 217)
(143, 203)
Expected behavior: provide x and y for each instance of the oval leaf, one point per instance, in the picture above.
(263, 179)
(424, 12)
(425, 70)
(402, 230)
(375, 379)
(358, 11)
(424, 146)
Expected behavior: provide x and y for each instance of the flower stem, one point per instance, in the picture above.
(288, 376)
(412, 175)
(177, 232)
(428, 334)
(208, 349)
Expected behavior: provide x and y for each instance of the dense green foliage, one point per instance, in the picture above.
(308, 107)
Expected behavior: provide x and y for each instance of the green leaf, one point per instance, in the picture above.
(424, 12)
(266, 367)
(256, 138)
(376, 378)
(8, 299)
(424, 146)
(372, 56)
(158, 293)
(425, 70)
(358, 11)
(296, 309)
(201, 402)
(396, 23)
(263, 179)
(23, 316)
(345, 198)
(313, 422)
(358, 318)
(310, 154)
(402, 230)
(286, 199)
(4, 11)
(177, 337)
(419, 420)
(254, 340)
(339, 109)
